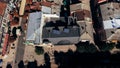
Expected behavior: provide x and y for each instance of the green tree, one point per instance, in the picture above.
(81, 49)
(39, 50)
(91, 48)
(118, 45)
(86, 47)
(106, 46)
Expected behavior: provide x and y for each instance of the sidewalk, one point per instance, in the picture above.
(10, 55)
(31, 56)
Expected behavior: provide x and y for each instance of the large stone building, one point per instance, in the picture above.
(82, 13)
(51, 28)
(109, 14)
(4, 19)
(60, 32)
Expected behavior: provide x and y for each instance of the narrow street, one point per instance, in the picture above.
(20, 46)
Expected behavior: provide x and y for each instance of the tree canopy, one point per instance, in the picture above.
(86, 47)
(39, 50)
(118, 45)
(106, 46)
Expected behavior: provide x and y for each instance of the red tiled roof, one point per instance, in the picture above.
(29, 1)
(100, 1)
(10, 17)
(81, 14)
(5, 44)
(27, 7)
(13, 23)
(16, 14)
(2, 8)
(48, 4)
(35, 6)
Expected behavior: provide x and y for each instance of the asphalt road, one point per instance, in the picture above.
(20, 51)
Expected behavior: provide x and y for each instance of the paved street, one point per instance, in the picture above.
(20, 51)
(20, 47)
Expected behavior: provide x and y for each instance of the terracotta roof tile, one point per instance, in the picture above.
(2, 8)
(27, 7)
(82, 14)
(13, 23)
(35, 6)
(29, 1)
(5, 44)
(10, 17)
(48, 4)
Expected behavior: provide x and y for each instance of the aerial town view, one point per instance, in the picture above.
(59, 33)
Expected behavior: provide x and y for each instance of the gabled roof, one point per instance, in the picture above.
(80, 6)
(2, 8)
(86, 31)
(29, 1)
(5, 44)
(81, 15)
(86, 36)
(33, 31)
(48, 4)
(112, 34)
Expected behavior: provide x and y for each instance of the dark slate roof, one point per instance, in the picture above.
(71, 32)
(52, 24)
(59, 22)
